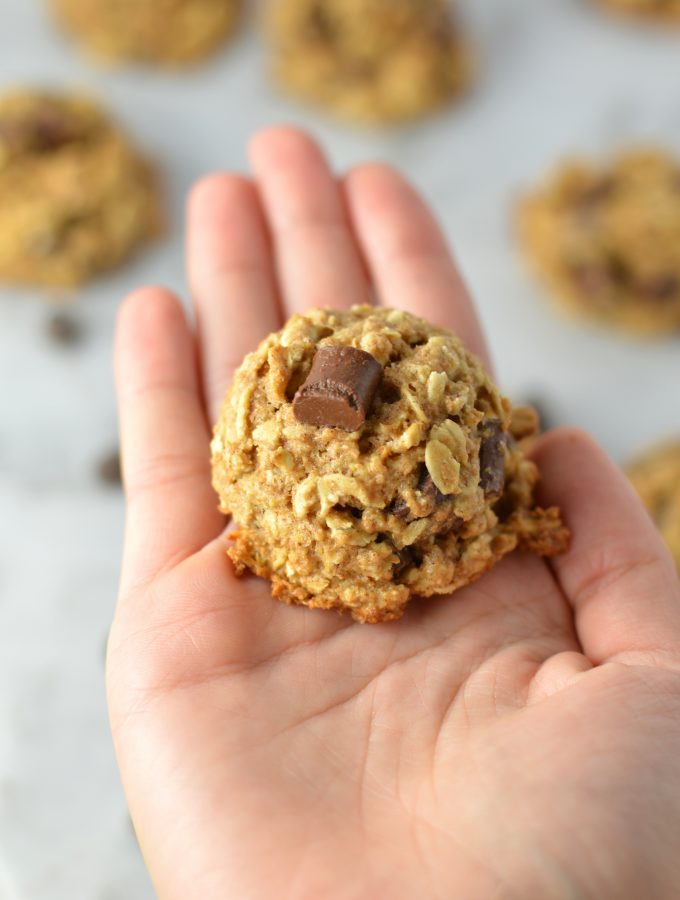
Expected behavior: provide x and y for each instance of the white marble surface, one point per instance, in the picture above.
(555, 77)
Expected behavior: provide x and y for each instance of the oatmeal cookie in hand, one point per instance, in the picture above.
(369, 60)
(656, 478)
(167, 32)
(75, 197)
(606, 240)
(367, 457)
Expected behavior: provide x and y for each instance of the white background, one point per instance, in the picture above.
(555, 77)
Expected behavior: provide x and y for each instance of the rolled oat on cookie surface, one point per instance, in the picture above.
(366, 458)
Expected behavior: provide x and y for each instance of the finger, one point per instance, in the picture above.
(617, 573)
(171, 507)
(407, 255)
(318, 261)
(231, 276)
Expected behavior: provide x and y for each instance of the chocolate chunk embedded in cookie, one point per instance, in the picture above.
(339, 389)
(366, 458)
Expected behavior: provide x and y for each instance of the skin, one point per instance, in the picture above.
(520, 740)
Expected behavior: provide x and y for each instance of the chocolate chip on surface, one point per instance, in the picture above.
(109, 470)
(492, 457)
(65, 329)
(339, 389)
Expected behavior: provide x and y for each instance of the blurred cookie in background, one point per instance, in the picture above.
(656, 477)
(656, 9)
(165, 32)
(76, 198)
(369, 60)
(605, 239)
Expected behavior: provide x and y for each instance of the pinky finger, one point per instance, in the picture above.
(617, 573)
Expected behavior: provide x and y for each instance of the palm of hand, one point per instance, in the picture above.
(274, 751)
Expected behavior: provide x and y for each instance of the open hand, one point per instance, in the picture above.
(518, 740)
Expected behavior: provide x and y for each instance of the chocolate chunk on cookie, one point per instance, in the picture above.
(339, 389)
(427, 496)
(492, 456)
(428, 488)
